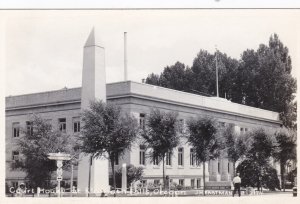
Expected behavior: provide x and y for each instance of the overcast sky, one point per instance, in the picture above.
(43, 49)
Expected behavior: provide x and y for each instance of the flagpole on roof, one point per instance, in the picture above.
(217, 79)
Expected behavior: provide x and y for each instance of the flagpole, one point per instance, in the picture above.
(217, 80)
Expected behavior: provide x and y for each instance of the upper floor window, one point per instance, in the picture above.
(116, 159)
(155, 161)
(15, 156)
(29, 128)
(142, 155)
(142, 120)
(62, 124)
(181, 126)
(192, 157)
(76, 125)
(180, 156)
(169, 159)
(16, 129)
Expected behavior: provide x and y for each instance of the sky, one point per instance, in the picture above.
(43, 49)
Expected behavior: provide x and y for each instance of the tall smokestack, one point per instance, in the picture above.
(125, 56)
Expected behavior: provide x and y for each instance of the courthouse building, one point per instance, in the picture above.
(62, 109)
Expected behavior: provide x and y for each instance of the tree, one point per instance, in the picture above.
(133, 174)
(38, 141)
(286, 150)
(161, 135)
(235, 145)
(254, 175)
(261, 148)
(204, 138)
(176, 77)
(107, 131)
(260, 78)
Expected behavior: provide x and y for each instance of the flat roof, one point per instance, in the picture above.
(141, 90)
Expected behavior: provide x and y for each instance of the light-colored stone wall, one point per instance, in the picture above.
(135, 98)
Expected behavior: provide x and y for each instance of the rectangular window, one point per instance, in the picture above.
(76, 125)
(193, 183)
(242, 129)
(62, 124)
(15, 156)
(181, 182)
(155, 161)
(117, 159)
(180, 156)
(218, 167)
(228, 167)
(142, 121)
(142, 155)
(29, 128)
(198, 183)
(16, 129)
(169, 159)
(181, 126)
(192, 157)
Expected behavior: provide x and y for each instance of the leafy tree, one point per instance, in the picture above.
(254, 175)
(176, 76)
(35, 146)
(261, 148)
(261, 78)
(161, 135)
(133, 174)
(153, 79)
(286, 150)
(203, 136)
(235, 144)
(107, 131)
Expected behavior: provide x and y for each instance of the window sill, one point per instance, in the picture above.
(156, 167)
(195, 167)
(180, 167)
(169, 167)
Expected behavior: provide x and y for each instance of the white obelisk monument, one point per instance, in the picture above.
(94, 177)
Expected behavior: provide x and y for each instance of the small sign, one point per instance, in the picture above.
(59, 171)
(59, 164)
(59, 156)
(59, 178)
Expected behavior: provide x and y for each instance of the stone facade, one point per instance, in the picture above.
(138, 99)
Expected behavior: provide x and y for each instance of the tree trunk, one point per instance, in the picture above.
(233, 163)
(164, 181)
(112, 162)
(204, 178)
(282, 171)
